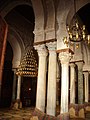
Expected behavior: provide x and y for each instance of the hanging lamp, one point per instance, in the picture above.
(76, 32)
(28, 65)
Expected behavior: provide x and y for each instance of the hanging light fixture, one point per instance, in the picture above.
(28, 65)
(76, 32)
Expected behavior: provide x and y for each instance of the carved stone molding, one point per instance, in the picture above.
(43, 42)
(65, 50)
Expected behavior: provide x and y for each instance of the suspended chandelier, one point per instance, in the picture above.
(76, 32)
(28, 65)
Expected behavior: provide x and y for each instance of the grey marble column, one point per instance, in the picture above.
(80, 82)
(64, 58)
(51, 91)
(41, 82)
(58, 84)
(86, 84)
(72, 83)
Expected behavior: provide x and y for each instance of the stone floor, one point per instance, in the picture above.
(22, 114)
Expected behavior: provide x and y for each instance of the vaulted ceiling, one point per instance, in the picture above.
(26, 11)
(84, 14)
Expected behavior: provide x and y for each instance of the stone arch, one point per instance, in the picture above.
(62, 12)
(49, 19)
(12, 4)
(39, 15)
(17, 46)
(50, 10)
(38, 11)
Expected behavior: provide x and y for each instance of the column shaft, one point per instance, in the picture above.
(14, 86)
(51, 92)
(80, 82)
(58, 84)
(64, 88)
(86, 81)
(65, 58)
(41, 83)
(18, 88)
(72, 83)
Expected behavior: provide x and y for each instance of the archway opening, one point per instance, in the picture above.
(22, 20)
(7, 82)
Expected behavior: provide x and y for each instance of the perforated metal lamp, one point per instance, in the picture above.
(28, 65)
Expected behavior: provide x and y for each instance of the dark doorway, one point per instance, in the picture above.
(7, 80)
(28, 91)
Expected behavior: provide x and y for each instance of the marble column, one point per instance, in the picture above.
(51, 90)
(41, 82)
(18, 87)
(86, 82)
(64, 58)
(80, 81)
(14, 85)
(58, 84)
(72, 83)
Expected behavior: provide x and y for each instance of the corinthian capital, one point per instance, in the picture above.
(51, 45)
(41, 49)
(65, 57)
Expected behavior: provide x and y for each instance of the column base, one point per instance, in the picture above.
(51, 111)
(16, 105)
(57, 110)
